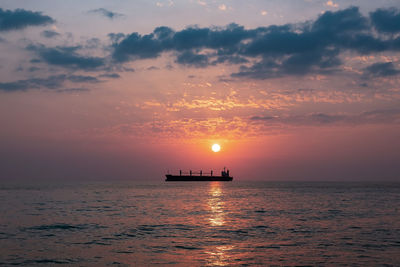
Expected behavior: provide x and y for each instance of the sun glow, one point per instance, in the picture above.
(216, 148)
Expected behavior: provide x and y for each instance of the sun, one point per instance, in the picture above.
(216, 148)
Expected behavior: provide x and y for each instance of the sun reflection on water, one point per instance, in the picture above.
(216, 205)
(217, 255)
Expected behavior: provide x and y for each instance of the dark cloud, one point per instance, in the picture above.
(82, 79)
(93, 43)
(106, 13)
(315, 48)
(317, 119)
(193, 59)
(309, 119)
(381, 116)
(116, 37)
(66, 56)
(297, 64)
(110, 75)
(349, 20)
(275, 51)
(32, 69)
(226, 39)
(386, 20)
(153, 68)
(51, 82)
(20, 18)
(128, 69)
(229, 59)
(21, 85)
(381, 70)
(136, 46)
(264, 69)
(263, 118)
(49, 34)
(73, 90)
(163, 39)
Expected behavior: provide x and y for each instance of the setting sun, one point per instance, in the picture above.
(216, 148)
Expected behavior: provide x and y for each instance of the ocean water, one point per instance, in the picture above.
(200, 224)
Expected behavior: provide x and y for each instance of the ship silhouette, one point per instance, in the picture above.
(199, 176)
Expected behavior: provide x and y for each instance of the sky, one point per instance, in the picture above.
(291, 90)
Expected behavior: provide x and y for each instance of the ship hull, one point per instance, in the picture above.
(189, 178)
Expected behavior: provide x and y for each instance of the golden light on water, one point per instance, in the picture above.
(216, 205)
(216, 148)
(217, 255)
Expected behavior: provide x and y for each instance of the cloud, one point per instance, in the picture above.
(51, 82)
(314, 49)
(381, 70)
(193, 59)
(391, 116)
(309, 119)
(73, 90)
(162, 39)
(32, 69)
(92, 43)
(136, 46)
(82, 79)
(153, 68)
(106, 13)
(386, 20)
(66, 56)
(116, 37)
(198, 128)
(20, 19)
(110, 75)
(322, 62)
(274, 51)
(49, 34)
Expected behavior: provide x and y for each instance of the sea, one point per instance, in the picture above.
(200, 224)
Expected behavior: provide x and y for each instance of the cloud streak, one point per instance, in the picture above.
(385, 69)
(21, 18)
(106, 13)
(54, 82)
(66, 56)
(50, 34)
(382, 116)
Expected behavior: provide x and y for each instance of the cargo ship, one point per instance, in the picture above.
(199, 176)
